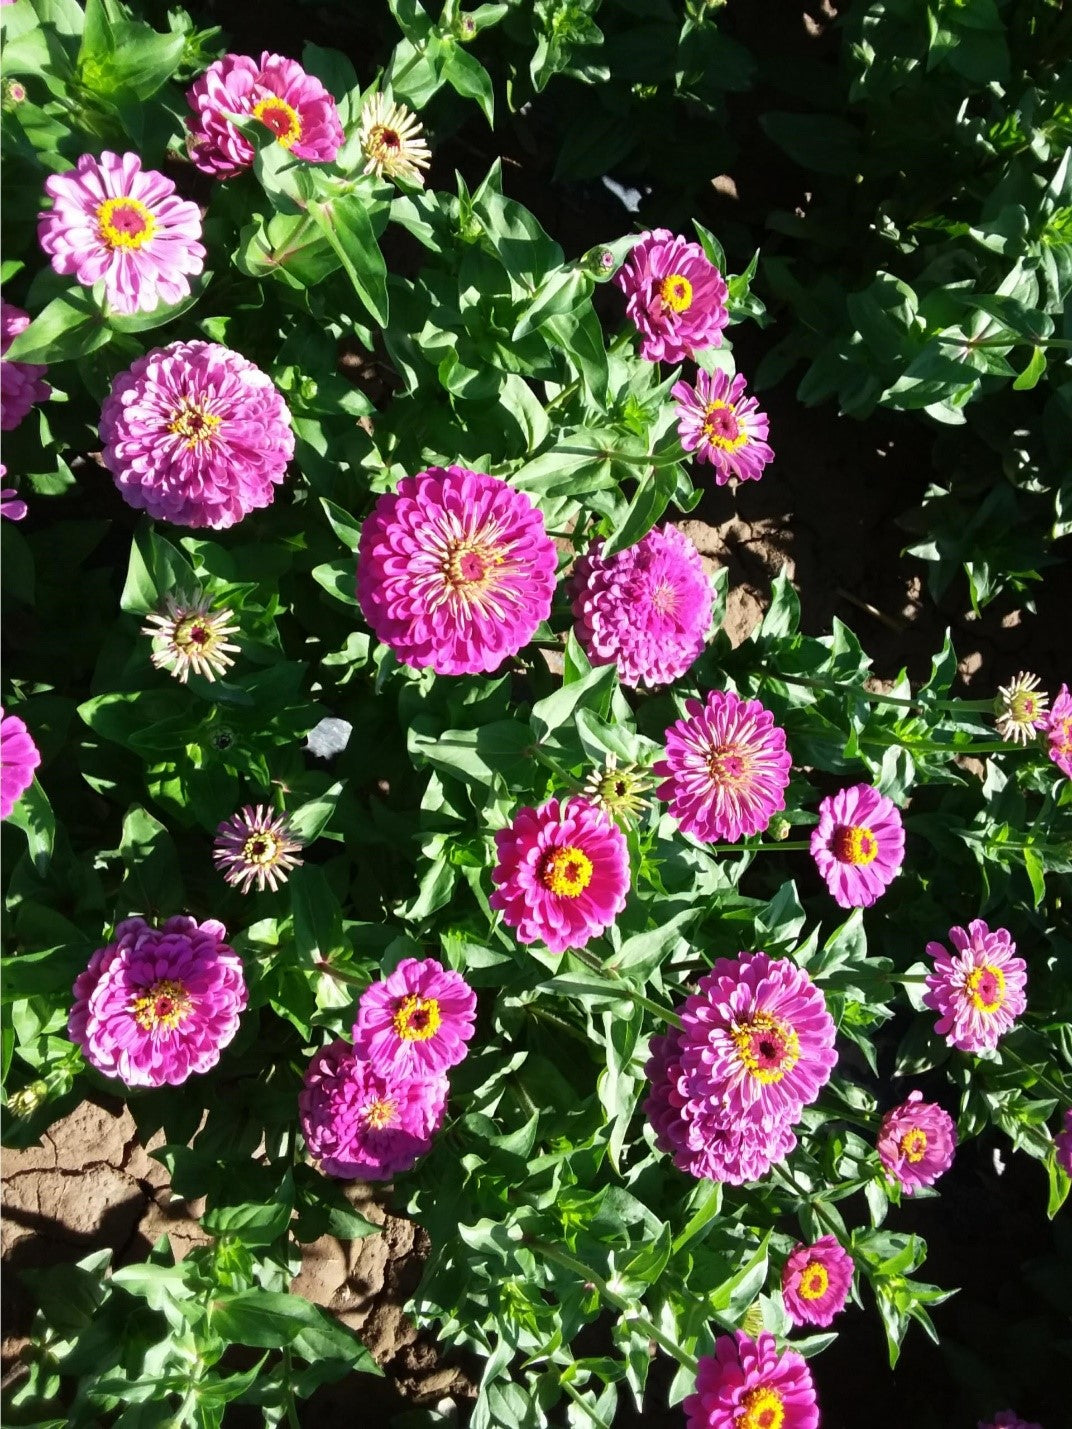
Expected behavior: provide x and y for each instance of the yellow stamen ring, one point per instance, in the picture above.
(566, 871)
(125, 222)
(676, 293)
(417, 1018)
(281, 119)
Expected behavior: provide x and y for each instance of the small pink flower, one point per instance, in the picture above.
(675, 296)
(1062, 1144)
(1058, 732)
(415, 1022)
(979, 991)
(858, 845)
(747, 1384)
(20, 382)
(19, 757)
(11, 508)
(256, 846)
(916, 1142)
(1006, 1419)
(722, 426)
(816, 1280)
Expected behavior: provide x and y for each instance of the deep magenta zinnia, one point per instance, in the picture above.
(978, 990)
(416, 1021)
(19, 757)
(21, 383)
(747, 1384)
(916, 1142)
(858, 844)
(720, 425)
(816, 1280)
(675, 296)
(1062, 1144)
(1058, 731)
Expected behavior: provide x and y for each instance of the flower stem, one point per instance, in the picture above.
(340, 976)
(584, 956)
(877, 697)
(782, 1173)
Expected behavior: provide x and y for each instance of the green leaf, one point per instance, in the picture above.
(268, 1319)
(822, 142)
(345, 223)
(318, 932)
(1032, 372)
(254, 1223)
(593, 689)
(653, 495)
(337, 578)
(71, 326)
(471, 80)
(310, 819)
(33, 815)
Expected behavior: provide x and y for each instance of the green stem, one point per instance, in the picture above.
(783, 1174)
(288, 1370)
(592, 1415)
(584, 956)
(340, 976)
(1059, 1092)
(876, 696)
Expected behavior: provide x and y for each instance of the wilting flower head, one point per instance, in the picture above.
(858, 844)
(359, 1125)
(19, 757)
(11, 508)
(916, 1142)
(727, 767)
(979, 990)
(717, 422)
(1062, 1143)
(20, 382)
(1007, 1419)
(675, 296)
(646, 609)
(455, 570)
(294, 105)
(391, 140)
(256, 845)
(114, 223)
(562, 873)
(747, 1384)
(157, 1004)
(1020, 708)
(196, 434)
(1059, 732)
(816, 1280)
(618, 791)
(189, 635)
(416, 1021)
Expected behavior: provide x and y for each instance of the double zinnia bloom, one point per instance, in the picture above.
(19, 757)
(747, 1384)
(675, 296)
(916, 1142)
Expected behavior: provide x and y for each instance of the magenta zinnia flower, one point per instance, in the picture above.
(858, 845)
(562, 873)
(416, 1021)
(728, 768)
(717, 422)
(158, 1004)
(359, 1125)
(1062, 1144)
(294, 105)
(1059, 732)
(1008, 1419)
(916, 1142)
(455, 570)
(747, 1384)
(675, 296)
(256, 845)
(647, 609)
(20, 382)
(979, 990)
(11, 508)
(816, 1280)
(19, 757)
(197, 435)
(114, 223)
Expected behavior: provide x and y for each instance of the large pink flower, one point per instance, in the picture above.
(979, 991)
(19, 757)
(1062, 1144)
(20, 382)
(647, 609)
(717, 422)
(675, 296)
(916, 1142)
(1058, 732)
(562, 873)
(359, 1125)
(416, 1021)
(747, 1384)
(196, 434)
(158, 1004)
(816, 1280)
(858, 845)
(114, 223)
(727, 767)
(294, 105)
(455, 570)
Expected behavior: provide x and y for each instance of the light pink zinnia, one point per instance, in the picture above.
(1059, 732)
(416, 1021)
(562, 873)
(255, 845)
(20, 382)
(979, 990)
(858, 845)
(359, 1125)
(647, 609)
(114, 223)
(294, 105)
(1008, 1419)
(727, 767)
(675, 296)
(196, 434)
(916, 1142)
(747, 1384)
(158, 1004)
(19, 757)
(455, 570)
(816, 1280)
(1062, 1144)
(719, 424)
(11, 508)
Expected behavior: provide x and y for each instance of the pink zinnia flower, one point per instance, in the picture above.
(10, 506)
(19, 757)
(562, 873)
(916, 1142)
(416, 1021)
(747, 1384)
(1059, 731)
(717, 422)
(647, 609)
(196, 434)
(816, 1280)
(114, 223)
(158, 1004)
(455, 570)
(294, 105)
(727, 767)
(1062, 1144)
(979, 990)
(675, 296)
(858, 845)
(1007, 1419)
(20, 382)
(255, 845)
(359, 1125)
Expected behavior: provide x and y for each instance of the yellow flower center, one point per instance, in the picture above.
(470, 569)
(379, 1113)
(1025, 708)
(1062, 741)
(768, 1048)
(814, 1281)
(761, 1408)
(417, 1018)
(125, 222)
(566, 871)
(985, 987)
(914, 1144)
(721, 427)
(854, 844)
(194, 633)
(281, 120)
(728, 765)
(165, 1005)
(676, 293)
(382, 143)
(193, 424)
(261, 848)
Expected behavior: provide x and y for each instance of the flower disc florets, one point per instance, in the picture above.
(720, 425)
(416, 1021)
(816, 1280)
(1020, 708)
(619, 790)
(916, 1142)
(20, 382)
(392, 142)
(19, 757)
(675, 296)
(258, 846)
(858, 844)
(979, 990)
(747, 1384)
(188, 635)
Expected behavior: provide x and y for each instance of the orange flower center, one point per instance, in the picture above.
(125, 223)
(854, 843)
(165, 1005)
(914, 1144)
(566, 871)
(814, 1281)
(768, 1048)
(281, 119)
(985, 987)
(761, 1408)
(416, 1018)
(676, 293)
